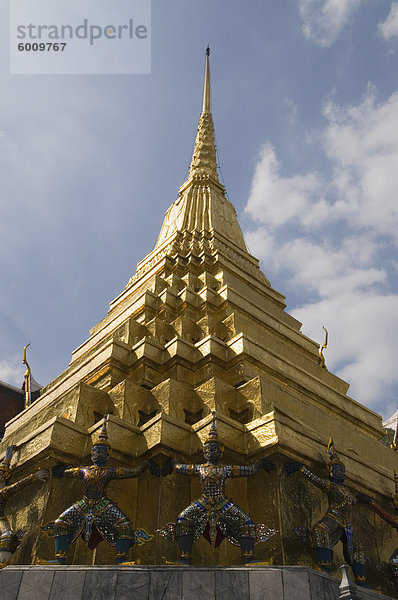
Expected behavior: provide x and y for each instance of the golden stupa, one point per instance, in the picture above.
(199, 328)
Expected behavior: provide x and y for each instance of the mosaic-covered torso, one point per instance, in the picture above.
(213, 478)
(95, 479)
(340, 502)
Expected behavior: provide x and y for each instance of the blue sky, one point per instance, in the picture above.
(305, 103)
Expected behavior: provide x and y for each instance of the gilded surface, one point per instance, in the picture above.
(194, 331)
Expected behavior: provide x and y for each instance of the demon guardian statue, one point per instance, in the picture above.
(95, 517)
(335, 525)
(213, 515)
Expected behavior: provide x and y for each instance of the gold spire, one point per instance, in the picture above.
(206, 89)
(204, 159)
(202, 204)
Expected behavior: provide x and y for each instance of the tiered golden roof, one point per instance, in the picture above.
(199, 328)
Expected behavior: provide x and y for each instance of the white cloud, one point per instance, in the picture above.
(361, 145)
(389, 27)
(362, 329)
(291, 110)
(330, 235)
(323, 20)
(12, 372)
(296, 191)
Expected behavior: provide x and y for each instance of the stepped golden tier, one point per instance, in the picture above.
(199, 328)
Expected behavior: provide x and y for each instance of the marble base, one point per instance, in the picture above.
(58, 582)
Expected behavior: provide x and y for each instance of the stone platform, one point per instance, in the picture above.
(173, 583)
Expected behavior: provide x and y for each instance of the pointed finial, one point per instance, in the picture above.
(334, 458)
(206, 89)
(103, 436)
(330, 449)
(213, 433)
(204, 159)
(347, 589)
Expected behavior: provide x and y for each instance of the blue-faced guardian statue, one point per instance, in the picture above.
(95, 517)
